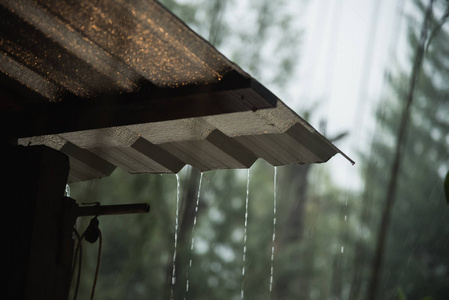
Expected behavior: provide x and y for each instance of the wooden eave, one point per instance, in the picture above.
(129, 85)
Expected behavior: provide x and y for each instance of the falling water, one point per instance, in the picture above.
(193, 235)
(242, 292)
(67, 190)
(274, 227)
(173, 276)
(342, 248)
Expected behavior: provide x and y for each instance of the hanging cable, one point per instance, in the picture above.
(78, 253)
(91, 234)
(100, 245)
(78, 238)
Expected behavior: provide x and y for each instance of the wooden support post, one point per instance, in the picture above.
(33, 184)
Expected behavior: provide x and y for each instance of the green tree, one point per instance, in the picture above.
(134, 252)
(414, 255)
(138, 250)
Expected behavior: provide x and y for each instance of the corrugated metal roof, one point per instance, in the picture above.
(90, 48)
(127, 84)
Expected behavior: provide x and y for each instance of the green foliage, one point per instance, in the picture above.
(325, 236)
(138, 249)
(416, 256)
(128, 236)
(446, 187)
(263, 38)
(401, 295)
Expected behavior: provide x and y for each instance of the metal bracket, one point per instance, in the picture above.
(95, 209)
(72, 211)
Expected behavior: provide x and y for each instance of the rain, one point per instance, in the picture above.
(371, 77)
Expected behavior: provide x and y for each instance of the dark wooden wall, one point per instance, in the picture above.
(32, 219)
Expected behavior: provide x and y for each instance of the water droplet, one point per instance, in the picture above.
(173, 278)
(274, 227)
(193, 234)
(245, 232)
(67, 190)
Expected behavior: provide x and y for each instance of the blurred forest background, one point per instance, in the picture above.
(386, 238)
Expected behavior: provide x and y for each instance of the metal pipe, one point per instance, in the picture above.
(120, 209)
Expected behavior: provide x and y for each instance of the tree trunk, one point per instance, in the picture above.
(187, 204)
(400, 141)
(295, 182)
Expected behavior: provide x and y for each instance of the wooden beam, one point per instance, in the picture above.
(234, 93)
(37, 264)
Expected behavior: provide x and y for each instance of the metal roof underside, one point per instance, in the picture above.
(127, 84)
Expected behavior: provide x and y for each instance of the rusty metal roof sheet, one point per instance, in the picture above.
(127, 84)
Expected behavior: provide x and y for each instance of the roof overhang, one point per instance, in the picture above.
(129, 85)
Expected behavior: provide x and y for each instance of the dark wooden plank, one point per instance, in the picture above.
(232, 148)
(36, 266)
(313, 141)
(92, 166)
(159, 155)
(145, 106)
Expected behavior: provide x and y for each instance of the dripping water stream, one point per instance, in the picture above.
(173, 277)
(342, 248)
(274, 227)
(193, 235)
(242, 292)
(67, 190)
